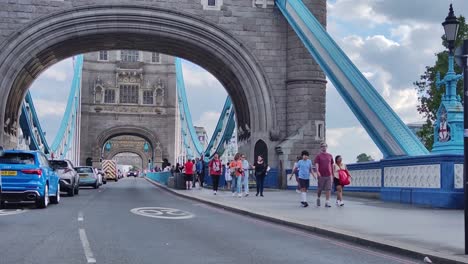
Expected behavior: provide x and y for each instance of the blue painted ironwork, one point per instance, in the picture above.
(33, 121)
(386, 129)
(184, 109)
(62, 141)
(448, 129)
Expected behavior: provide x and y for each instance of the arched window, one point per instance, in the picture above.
(261, 148)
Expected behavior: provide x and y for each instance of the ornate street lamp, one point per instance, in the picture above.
(451, 29)
(448, 132)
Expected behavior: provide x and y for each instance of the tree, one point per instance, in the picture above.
(429, 97)
(363, 157)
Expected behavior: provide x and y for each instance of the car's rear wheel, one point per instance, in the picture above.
(77, 189)
(43, 201)
(56, 199)
(71, 191)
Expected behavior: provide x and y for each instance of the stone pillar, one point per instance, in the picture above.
(305, 85)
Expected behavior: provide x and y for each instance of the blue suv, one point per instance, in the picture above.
(28, 178)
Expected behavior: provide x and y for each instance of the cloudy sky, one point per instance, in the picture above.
(391, 42)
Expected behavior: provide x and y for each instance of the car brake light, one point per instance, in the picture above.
(35, 171)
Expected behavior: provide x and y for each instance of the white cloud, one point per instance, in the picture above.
(46, 108)
(199, 78)
(208, 120)
(349, 142)
(360, 11)
(58, 72)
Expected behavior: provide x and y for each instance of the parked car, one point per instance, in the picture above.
(88, 177)
(27, 177)
(132, 173)
(69, 178)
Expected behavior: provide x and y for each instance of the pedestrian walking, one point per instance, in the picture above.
(324, 164)
(199, 169)
(261, 170)
(227, 176)
(245, 175)
(194, 175)
(188, 166)
(215, 167)
(236, 173)
(304, 167)
(295, 172)
(339, 168)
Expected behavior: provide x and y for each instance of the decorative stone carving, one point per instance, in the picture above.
(421, 176)
(366, 178)
(458, 176)
(98, 94)
(129, 76)
(160, 93)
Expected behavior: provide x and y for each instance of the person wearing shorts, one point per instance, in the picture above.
(304, 168)
(188, 174)
(324, 164)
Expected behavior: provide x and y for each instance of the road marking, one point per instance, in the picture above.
(162, 212)
(80, 216)
(11, 211)
(87, 249)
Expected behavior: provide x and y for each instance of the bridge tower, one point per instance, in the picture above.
(128, 93)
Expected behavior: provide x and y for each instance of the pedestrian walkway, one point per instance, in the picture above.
(427, 231)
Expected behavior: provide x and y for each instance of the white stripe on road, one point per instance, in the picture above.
(80, 217)
(87, 249)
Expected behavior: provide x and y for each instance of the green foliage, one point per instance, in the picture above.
(363, 157)
(428, 96)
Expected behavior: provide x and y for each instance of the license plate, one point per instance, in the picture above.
(9, 173)
(83, 175)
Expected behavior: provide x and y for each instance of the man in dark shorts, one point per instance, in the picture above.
(304, 168)
(324, 164)
(188, 166)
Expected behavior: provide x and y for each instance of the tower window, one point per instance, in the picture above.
(148, 97)
(211, 2)
(129, 94)
(155, 57)
(109, 96)
(103, 55)
(130, 55)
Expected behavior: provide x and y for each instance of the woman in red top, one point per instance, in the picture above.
(216, 170)
(188, 174)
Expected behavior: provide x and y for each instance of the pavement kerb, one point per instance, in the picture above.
(381, 244)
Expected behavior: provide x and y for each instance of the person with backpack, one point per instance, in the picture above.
(340, 178)
(216, 169)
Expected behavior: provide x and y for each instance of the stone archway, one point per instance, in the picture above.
(83, 29)
(156, 146)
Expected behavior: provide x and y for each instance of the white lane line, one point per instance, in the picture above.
(87, 249)
(80, 216)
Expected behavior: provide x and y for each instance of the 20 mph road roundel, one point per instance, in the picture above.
(162, 212)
